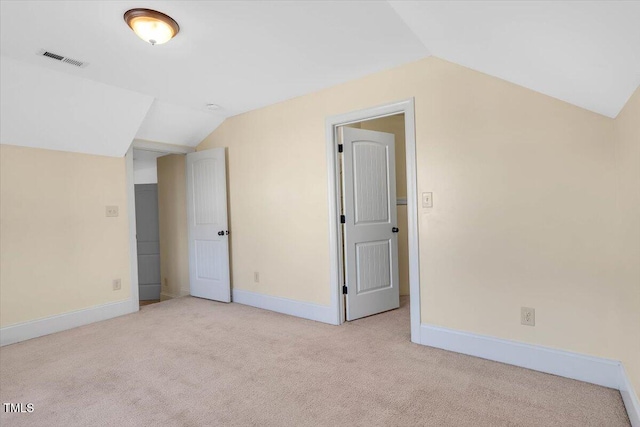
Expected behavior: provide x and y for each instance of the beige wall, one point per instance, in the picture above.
(172, 208)
(58, 250)
(395, 125)
(627, 126)
(524, 205)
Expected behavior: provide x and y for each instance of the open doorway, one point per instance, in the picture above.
(178, 223)
(157, 188)
(372, 261)
(145, 174)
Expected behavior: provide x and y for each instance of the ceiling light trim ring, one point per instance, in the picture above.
(132, 14)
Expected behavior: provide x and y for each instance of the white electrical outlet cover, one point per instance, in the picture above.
(528, 316)
(112, 211)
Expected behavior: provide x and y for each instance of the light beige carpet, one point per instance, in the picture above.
(193, 362)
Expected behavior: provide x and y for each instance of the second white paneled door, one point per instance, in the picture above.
(370, 223)
(207, 224)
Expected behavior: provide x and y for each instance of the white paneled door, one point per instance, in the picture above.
(370, 225)
(207, 223)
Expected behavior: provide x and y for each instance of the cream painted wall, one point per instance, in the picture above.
(627, 126)
(58, 250)
(395, 125)
(172, 208)
(524, 193)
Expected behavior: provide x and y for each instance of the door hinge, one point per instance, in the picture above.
(343, 219)
(340, 148)
(344, 289)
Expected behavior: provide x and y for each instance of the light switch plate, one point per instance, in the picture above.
(112, 211)
(427, 200)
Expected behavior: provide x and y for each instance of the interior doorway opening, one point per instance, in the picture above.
(162, 166)
(341, 247)
(147, 215)
(177, 209)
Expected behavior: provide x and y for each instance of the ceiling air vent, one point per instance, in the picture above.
(61, 58)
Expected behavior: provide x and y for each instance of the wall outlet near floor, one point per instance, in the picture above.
(112, 211)
(164, 282)
(528, 316)
(256, 277)
(117, 284)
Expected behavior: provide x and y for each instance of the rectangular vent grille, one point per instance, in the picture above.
(64, 59)
(53, 55)
(73, 62)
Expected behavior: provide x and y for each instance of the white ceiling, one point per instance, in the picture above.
(586, 53)
(41, 108)
(175, 124)
(239, 55)
(245, 55)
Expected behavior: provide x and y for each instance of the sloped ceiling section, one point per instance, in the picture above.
(246, 55)
(42, 108)
(174, 124)
(241, 55)
(586, 53)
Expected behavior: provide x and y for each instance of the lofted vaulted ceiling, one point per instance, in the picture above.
(586, 53)
(245, 55)
(48, 109)
(239, 55)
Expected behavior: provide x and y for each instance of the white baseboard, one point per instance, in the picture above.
(595, 370)
(61, 322)
(630, 398)
(306, 310)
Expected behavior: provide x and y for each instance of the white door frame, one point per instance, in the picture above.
(335, 235)
(133, 241)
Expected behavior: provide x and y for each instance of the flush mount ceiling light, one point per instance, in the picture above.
(151, 26)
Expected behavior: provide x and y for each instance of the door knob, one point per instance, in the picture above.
(395, 229)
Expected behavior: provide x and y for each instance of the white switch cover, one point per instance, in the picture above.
(112, 211)
(427, 200)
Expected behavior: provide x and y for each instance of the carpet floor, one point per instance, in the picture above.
(193, 362)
